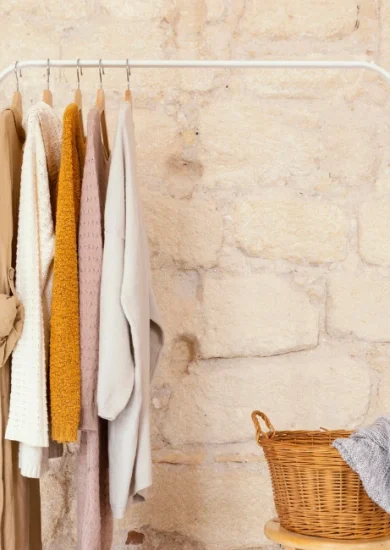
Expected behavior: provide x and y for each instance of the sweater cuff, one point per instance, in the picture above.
(119, 512)
(64, 434)
(33, 461)
(89, 418)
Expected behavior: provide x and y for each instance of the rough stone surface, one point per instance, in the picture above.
(27, 47)
(342, 159)
(216, 493)
(289, 146)
(374, 231)
(266, 197)
(256, 315)
(138, 9)
(186, 232)
(177, 457)
(296, 230)
(52, 10)
(239, 458)
(160, 540)
(279, 149)
(219, 395)
(177, 296)
(291, 18)
(359, 305)
(58, 489)
(381, 363)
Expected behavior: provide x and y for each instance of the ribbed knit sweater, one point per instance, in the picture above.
(93, 196)
(65, 332)
(94, 518)
(28, 417)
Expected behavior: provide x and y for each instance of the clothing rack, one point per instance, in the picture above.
(201, 64)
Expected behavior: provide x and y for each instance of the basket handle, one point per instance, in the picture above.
(260, 434)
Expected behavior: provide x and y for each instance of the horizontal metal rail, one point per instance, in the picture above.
(198, 64)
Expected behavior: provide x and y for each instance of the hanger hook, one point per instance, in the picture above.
(16, 75)
(128, 72)
(48, 73)
(101, 72)
(79, 71)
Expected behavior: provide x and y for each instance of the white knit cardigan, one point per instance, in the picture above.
(28, 417)
(129, 319)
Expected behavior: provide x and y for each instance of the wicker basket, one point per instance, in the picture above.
(316, 493)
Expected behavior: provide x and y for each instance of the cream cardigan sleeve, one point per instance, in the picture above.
(116, 367)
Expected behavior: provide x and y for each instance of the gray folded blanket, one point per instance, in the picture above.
(367, 452)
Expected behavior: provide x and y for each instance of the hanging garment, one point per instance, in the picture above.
(28, 418)
(64, 336)
(94, 518)
(20, 522)
(131, 336)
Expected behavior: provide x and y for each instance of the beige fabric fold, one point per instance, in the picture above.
(11, 320)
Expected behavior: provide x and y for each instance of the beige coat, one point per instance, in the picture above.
(20, 525)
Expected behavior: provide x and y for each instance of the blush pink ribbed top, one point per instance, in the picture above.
(94, 519)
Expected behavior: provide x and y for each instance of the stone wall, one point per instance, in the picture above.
(267, 198)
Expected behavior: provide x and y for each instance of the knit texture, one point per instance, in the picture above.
(28, 418)
(367, 452)
(94, 518)
(65, 333)
(90, 257)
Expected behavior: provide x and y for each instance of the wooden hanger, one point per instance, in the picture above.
(17, 103)
(47, 95)
(78, 98)
(128, 97)
(100, 105)
(100, 101)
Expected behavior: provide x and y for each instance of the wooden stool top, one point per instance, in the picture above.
(275, 532)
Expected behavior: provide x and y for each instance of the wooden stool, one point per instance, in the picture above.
(293, 541)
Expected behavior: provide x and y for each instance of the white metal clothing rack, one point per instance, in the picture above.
(203, 64)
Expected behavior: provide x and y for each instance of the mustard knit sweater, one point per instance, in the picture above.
(65, 388)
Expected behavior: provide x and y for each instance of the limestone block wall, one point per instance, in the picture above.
(267, 200)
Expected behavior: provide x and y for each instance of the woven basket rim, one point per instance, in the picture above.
(301, 439)
(323, 432)
(312, 438)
